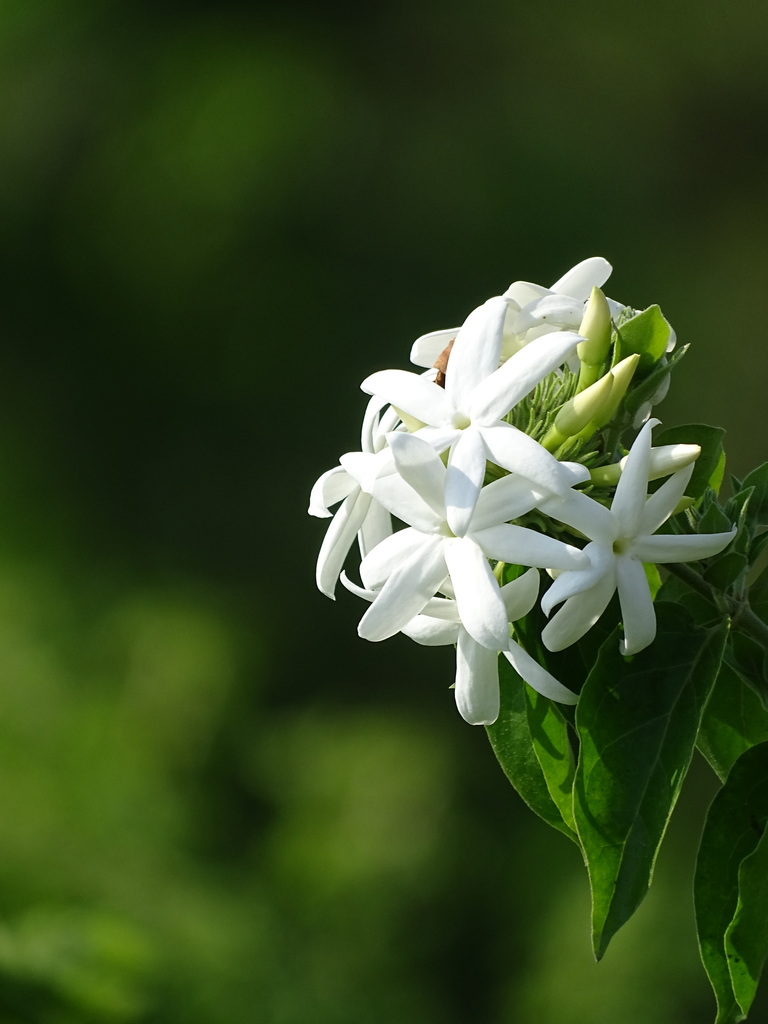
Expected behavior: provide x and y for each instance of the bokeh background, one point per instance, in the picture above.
(217, 805)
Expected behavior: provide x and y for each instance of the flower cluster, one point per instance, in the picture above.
(506, 456)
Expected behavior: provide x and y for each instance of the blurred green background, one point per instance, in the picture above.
(217, 805)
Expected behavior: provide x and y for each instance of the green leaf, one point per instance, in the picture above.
(647, 334)
(746, 941)
(734, 720)
(708, 469)
(551, 745)
(731, 886)
(637, 720)
(726, 570)
(530, 741)
(758, 504)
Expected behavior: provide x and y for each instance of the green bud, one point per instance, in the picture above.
(577, 412)
(665, 460)
(622, 374)
(595, 328)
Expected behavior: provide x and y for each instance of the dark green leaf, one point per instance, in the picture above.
(637, 720)
(647, 334)
(748, 658)
(734, 720)
(758, 506)
(746, 941)
(707, 467)
(725, 571)
(530, 741)
(730, 889)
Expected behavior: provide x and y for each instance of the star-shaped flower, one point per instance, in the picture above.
(408, 568)
(466, 415)
(621, 538)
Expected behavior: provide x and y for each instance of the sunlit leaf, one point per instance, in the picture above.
(530, 741)
(637, 721)
(646, 334)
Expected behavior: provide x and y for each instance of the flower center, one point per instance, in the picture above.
(621, 546)
(460, 420)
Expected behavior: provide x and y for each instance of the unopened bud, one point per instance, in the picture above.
(577, 412)
(622, 374)
(664, 460)
(595, 328)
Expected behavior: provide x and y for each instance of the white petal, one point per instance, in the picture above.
(581, 279)
(427, 349)
(631, 490)
(438, 438)
(555, 311)
(375, 528)
(537, 676)
(477, 681)
(578, 615)
(515, 451)
(478, 597)
(521, 546)
(584, 514)
(663, 502)
(379, 564)
(476, 351)
(523, 292)
(333, 486)
(500, 392)
(399, 498)
(338, 539)
(520, 595)
(406, 592)
(687, 547)
(463, 479)
(414, 394)
(431, 632)
(427, 629)
(420, 466)
(504, 500)
(370, 423)
(568, 584)
(637, 612)
(365, 467)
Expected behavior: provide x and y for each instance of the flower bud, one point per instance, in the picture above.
(595, 328)
(578, 411)
(622, 374)
(665, 460)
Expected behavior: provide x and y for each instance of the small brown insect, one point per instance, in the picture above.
(441, 364)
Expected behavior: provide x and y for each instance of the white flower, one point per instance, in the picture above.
(466, 415)
(621, 540)
(476, 687)
(532, 310)
(409, 567)
(358, 515)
